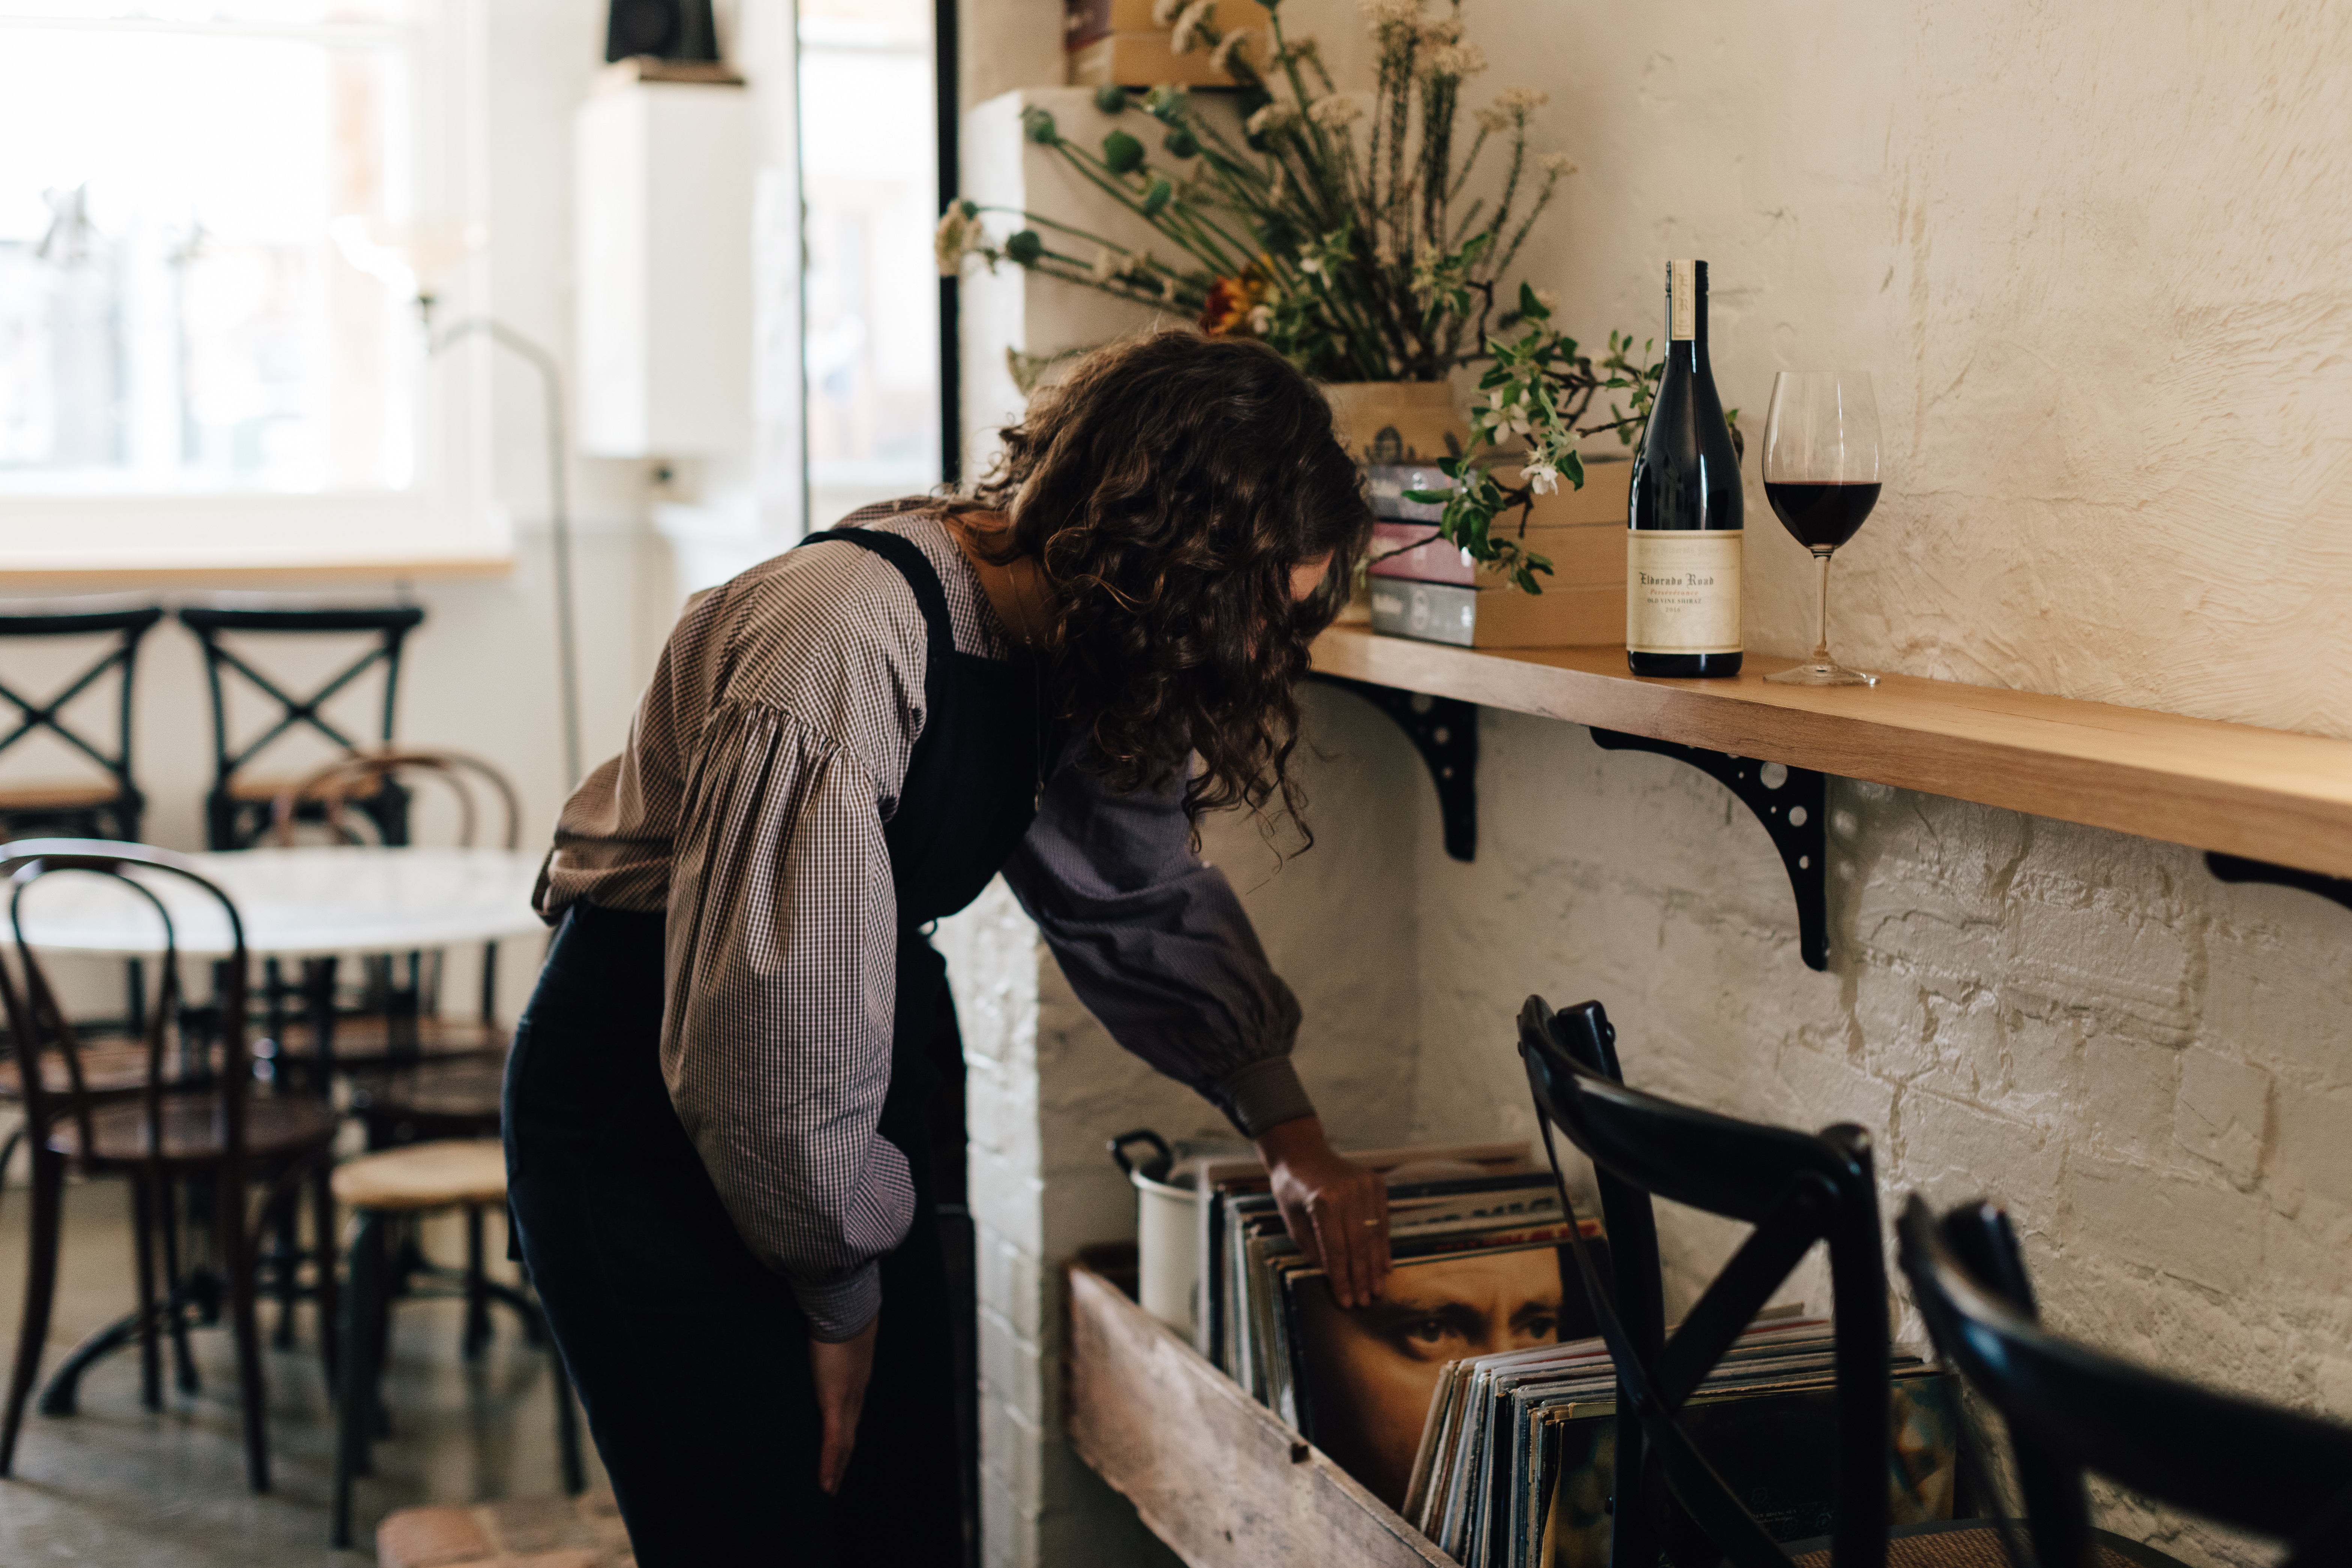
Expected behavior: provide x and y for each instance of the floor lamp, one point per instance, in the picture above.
(408, 255)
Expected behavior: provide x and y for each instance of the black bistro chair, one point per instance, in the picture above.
(103, 808)
(1796, 1189)
(2071, 1409)
(237, 808)
(191, 1121)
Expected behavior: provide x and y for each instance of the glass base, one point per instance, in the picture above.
(1822, 674)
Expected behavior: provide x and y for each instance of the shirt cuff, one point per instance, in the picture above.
(841, 1311)
(1263, 1094)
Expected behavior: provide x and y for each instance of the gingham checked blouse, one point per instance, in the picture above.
(749, 804)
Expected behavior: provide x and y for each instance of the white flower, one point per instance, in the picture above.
(1517, 101)
(1108, 264)
(1492, 121)
(1261, 318)
(1454, 60)
(1335, 113)
(1380, 14)
(1189, 24)
(1274, 117)
(1558, 165)
(953, 239)
(1302, 49)
(1165, 12)
(1444, 30)
(1542, 478)
(1221, 58)
(1547, 299)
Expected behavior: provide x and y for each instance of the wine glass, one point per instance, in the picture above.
(1821, 474)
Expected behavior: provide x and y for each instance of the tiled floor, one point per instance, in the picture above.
(127, 1488)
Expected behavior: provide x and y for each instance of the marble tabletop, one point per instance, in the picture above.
(297, 903)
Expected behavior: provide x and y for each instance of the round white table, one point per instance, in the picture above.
(302, 902)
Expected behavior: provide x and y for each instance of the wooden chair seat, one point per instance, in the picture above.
(368, 1040)
(438, 1088)
(446, 1174)
(30, 798)
(544, 1532)
(194, 1132)
(113, 1066)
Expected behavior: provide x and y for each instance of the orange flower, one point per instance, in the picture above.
(1227, 311)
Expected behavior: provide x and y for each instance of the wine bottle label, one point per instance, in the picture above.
(1682, 590)
(1682, 294)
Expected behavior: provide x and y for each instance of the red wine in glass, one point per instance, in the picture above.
(1821, 474)
(1821, 513)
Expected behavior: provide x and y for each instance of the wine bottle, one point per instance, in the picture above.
(1683, 541)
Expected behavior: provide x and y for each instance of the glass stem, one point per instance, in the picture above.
(1822, 649)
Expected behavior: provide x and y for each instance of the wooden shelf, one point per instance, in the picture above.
(1214, 1473)
(2266, 795)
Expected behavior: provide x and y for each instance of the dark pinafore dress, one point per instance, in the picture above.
(689, 1356)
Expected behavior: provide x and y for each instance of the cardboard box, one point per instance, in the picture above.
(1582, 531)
(1084, 21)
(1498, 617)
(1582, 555)
(1140, 60)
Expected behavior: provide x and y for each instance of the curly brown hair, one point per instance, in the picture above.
(1168, 488)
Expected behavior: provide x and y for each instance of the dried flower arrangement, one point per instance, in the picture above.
(1337, 230)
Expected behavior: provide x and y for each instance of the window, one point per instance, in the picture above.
(869, 173)
(173, 315)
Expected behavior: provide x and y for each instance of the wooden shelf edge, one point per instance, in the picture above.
(2266, 795)
(1213, 1472)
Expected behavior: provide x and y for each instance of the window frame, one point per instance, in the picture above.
(446, 522)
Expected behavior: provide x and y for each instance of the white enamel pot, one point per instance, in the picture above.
(1166, 1228)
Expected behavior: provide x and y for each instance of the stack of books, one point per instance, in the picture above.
(1423, 588)
(1115, 43)
(1516, 1468)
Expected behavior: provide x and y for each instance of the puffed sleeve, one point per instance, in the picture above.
(1157, 946)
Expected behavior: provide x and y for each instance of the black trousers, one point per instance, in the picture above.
(690, 1358)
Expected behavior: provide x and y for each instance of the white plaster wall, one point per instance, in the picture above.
(2087, 253)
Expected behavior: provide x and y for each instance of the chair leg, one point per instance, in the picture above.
(322, 1221)
(237, 1263)
(41, 1295)
(175, 1306)
(290, 1266)
(143, 1246)
(478, 1299)
(353, 1373)
(8, 1152)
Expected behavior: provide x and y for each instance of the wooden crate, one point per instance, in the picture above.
(1214, 1473)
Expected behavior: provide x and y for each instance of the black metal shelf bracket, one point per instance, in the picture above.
(1445, 731)
(2238, 868)
(1793, 812)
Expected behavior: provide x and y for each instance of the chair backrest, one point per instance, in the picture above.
(1796, 1189)
(390, 627)
(2069, 1409)
(37, 715)
(37, 1024)
(348, 779)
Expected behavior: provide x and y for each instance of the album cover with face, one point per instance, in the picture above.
(1364, 1376)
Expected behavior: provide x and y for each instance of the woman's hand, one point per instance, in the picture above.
(841, 1371)
(1336, 1210)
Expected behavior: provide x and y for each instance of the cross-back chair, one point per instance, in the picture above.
(237, 809)
(1796, 1189)
(188, 1121)
(107, 808)
(2071, 1410)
